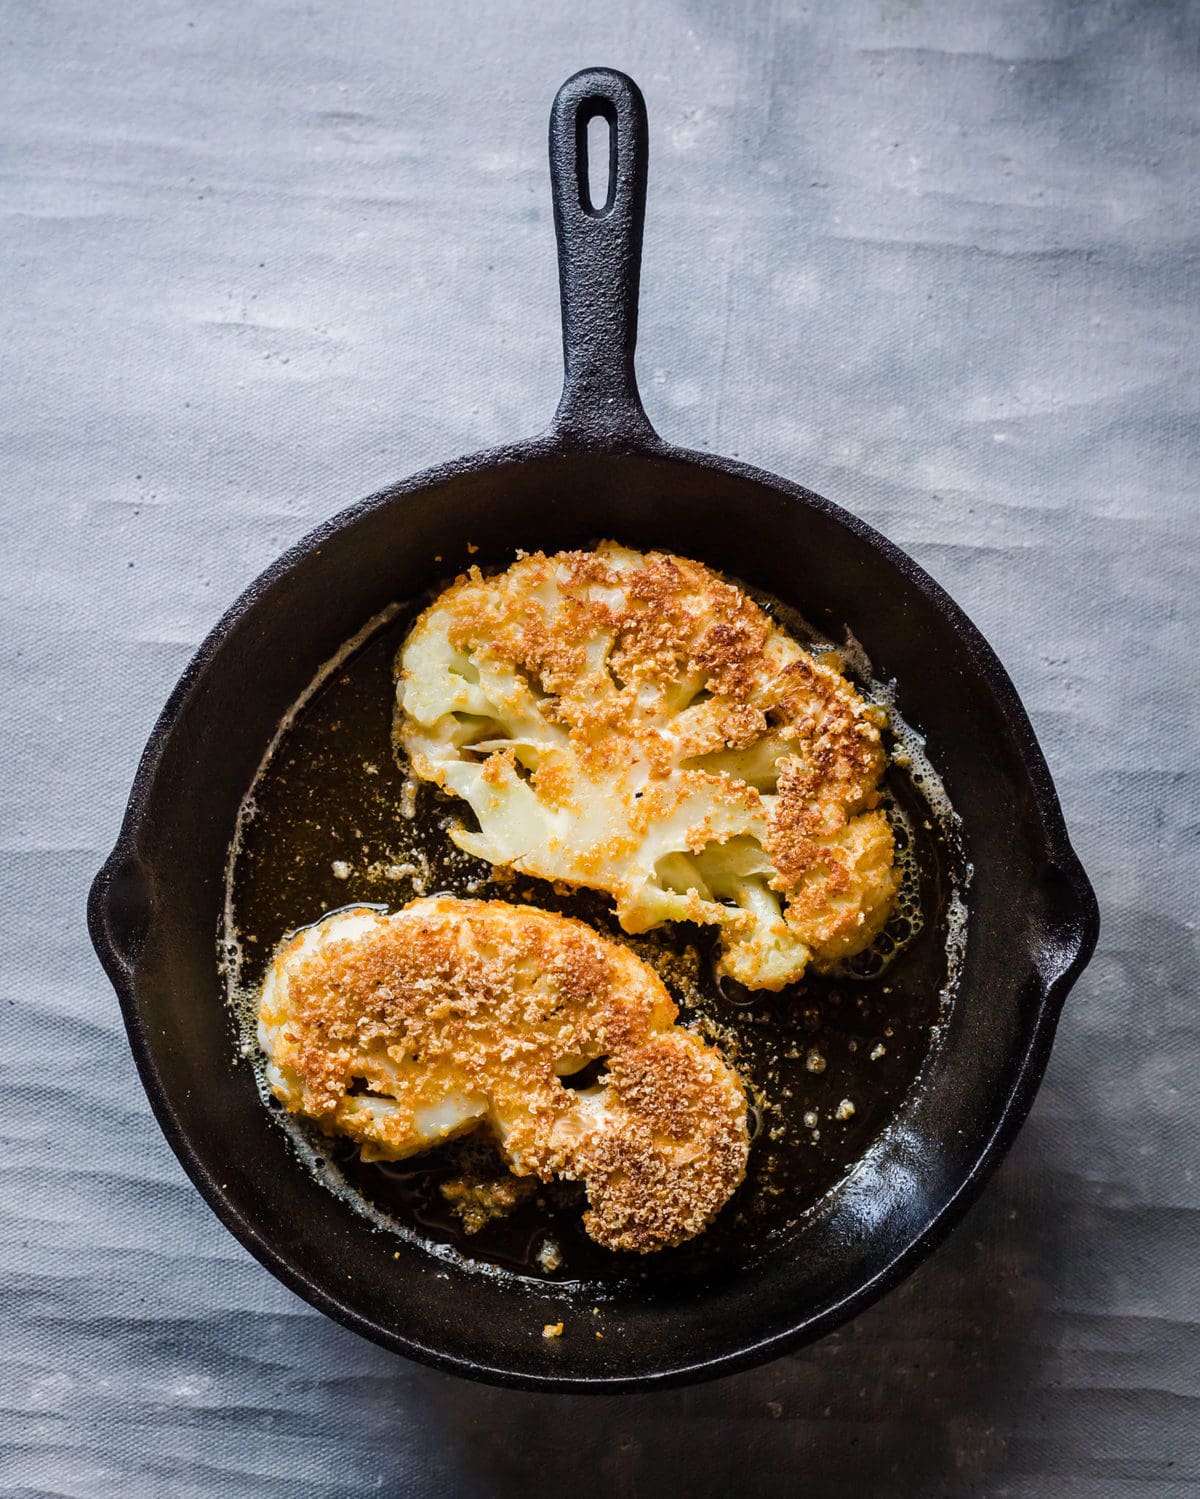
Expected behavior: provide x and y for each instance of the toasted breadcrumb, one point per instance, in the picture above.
(549, 1256)
(476, 1203)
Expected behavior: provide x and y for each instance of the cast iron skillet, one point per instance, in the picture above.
(600, 470)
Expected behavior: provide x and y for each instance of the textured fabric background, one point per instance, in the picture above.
(937, 260)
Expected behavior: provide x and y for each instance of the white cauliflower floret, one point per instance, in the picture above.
(634, 723)
(404, 1030)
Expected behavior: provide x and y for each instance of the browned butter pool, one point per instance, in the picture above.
(333, 820)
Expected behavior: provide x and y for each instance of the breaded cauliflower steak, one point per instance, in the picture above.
(404, 1030)
(634, 723)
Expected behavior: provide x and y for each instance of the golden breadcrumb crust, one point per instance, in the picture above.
(635, 723)
(400, 1030)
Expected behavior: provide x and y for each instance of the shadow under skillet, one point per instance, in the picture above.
(938, 1391)
(828, 1061)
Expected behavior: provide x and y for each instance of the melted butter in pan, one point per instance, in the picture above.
(333, 819)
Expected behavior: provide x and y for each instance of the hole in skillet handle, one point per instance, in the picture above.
(596, 145)
(599, 261)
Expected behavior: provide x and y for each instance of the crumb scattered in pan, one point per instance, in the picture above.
(478, 1201)
(549, 1256)
(415, 870)
(552, 1330)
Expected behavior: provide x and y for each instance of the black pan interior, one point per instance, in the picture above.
(828, 1061)
(166, 902)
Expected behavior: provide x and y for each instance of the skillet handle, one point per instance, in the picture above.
(599, 260)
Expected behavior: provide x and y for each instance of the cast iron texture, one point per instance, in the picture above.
(600, 470)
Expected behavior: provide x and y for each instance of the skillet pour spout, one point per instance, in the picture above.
(156, 907)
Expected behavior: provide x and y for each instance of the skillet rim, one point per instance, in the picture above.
(1021, 1089)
